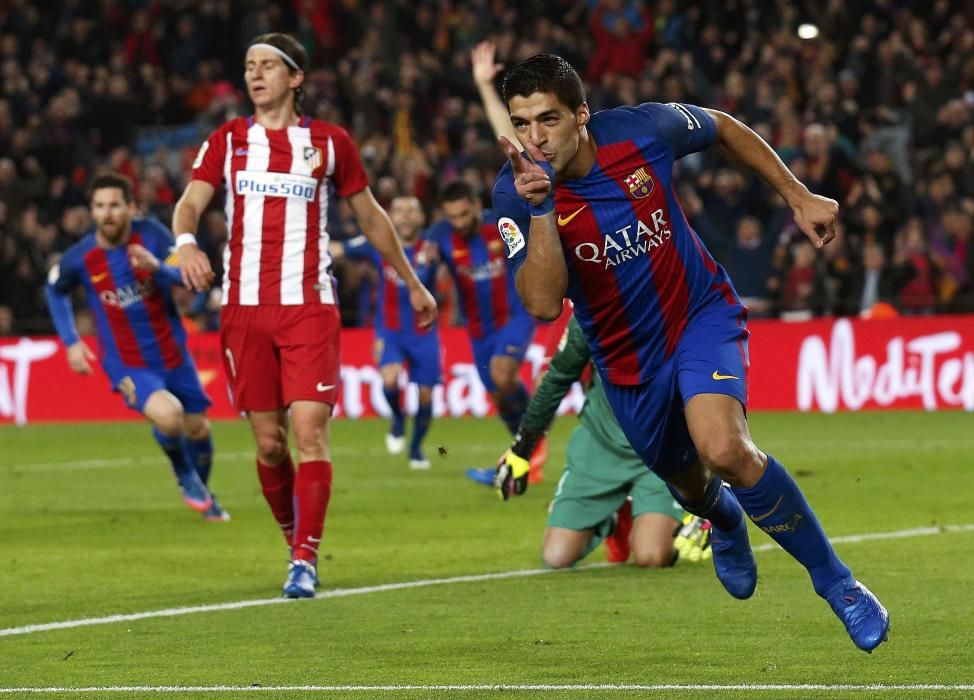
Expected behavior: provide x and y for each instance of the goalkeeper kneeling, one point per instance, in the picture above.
(605, 491)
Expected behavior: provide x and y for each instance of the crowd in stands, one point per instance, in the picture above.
(875, 111)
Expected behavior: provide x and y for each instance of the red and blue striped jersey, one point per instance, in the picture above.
(488, 298)
(137, 321)
(393, 310)
(637, 272)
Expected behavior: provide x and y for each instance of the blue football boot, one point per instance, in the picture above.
(864, 617)
(302, 579)
(734, 560)
(195, 493)
(215, 513)
(483, 475)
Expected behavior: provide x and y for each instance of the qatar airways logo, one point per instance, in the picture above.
(627, 243)
(926, 367)
(492, 269)
(126, 296)
(253, 182)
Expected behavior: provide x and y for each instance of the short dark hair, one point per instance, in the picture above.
(545, 72)
(294, 50)
(457, 190)
(105, 181)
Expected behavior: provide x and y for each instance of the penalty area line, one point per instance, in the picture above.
(422, 583)
(658, 687)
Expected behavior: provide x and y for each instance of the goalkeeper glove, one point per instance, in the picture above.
(693, 539)
(512, 475)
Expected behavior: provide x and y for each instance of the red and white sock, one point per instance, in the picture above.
(312, 491)
(277, 483)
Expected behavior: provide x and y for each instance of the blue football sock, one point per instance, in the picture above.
(424, 416)
(718, 505)
(201, 456)
(175, 449)
(776, 505)
(392, 398)
(512, 406)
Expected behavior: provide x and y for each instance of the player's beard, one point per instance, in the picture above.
(113, 233)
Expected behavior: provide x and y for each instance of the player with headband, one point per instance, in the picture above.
(280, 326)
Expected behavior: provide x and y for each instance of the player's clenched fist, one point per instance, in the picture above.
(80, 357)
(195, 268)
(512, 475)
(424, 305)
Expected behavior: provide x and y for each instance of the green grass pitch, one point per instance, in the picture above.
(92, 526)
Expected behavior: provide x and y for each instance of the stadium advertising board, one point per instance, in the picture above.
(821, 365)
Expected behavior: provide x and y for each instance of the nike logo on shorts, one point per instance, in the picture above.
(719, 376)
(324, 387)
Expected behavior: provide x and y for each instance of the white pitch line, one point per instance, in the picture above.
(422, 583)
(772, 687)
(773, 445)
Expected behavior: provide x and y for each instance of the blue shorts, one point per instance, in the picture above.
(137, 384)
(420, 352)
(510, 340)
(711, 358)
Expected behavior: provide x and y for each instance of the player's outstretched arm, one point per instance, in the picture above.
(815, 215)
(543, 276)
(193, 264)
(484, 71)
(565, 369)
(378, 228)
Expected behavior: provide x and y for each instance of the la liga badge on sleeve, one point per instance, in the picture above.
(511, 234)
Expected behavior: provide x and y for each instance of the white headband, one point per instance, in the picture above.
(287, 59)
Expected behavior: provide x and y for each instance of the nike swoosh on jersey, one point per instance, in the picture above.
(95, 279)
(324, 387)
(564, 221)
(718, 376)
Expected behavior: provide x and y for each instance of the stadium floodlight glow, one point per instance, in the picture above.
(807, 31)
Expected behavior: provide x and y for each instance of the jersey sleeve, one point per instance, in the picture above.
(684, 128)
(160, 242)
(208, 165)
(61, 280)
(566, 367)
(513, 218)
(359, 247)
(350, 176)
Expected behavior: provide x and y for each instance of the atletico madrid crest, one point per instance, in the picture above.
(640, 184)
(312, 156)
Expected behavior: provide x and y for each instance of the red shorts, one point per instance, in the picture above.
(275, 355)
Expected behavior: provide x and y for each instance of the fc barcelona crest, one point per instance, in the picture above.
(312, 156)
(640, 184)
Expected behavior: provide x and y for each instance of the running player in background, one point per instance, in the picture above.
(141, 341)
(280, 328)
(399, 339)
(596, 219)
(469, 243)
(605, 491)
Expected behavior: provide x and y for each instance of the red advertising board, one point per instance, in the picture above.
(822, 365)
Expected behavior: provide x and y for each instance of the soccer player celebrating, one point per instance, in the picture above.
(141, 341)
(596, 219)
(399, 339)
(280, 327)
(469, 242)
(605, 491)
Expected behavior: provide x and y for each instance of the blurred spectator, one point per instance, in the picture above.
(921, 275)
(875, 282)
(749, 262)
(875, 112)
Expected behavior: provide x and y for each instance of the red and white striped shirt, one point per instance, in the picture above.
(278, 182)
